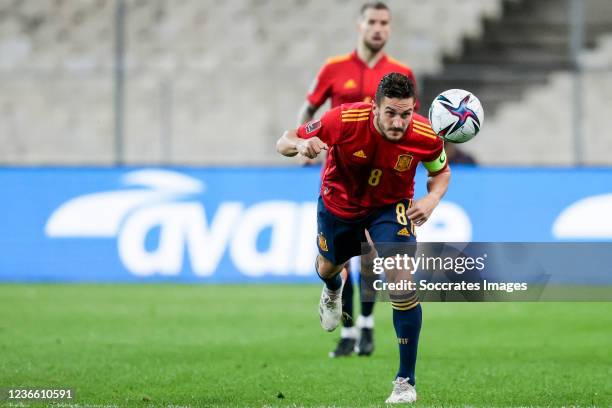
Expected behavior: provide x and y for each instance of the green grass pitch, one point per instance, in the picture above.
(261, 345)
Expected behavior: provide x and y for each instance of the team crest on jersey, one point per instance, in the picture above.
(403, 162)
(323, 242)
(312, 126)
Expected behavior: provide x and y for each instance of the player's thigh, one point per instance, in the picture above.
(393, 234)
(337, 240)
(390, 227)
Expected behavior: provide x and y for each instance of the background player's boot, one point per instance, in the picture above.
(365, 347)
(345, 348)
(403, 392)
(330, 308)
(346, 344)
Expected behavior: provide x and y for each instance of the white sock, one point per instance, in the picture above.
(348, 332)
(364, 322)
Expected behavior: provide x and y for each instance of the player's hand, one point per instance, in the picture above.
(421, 209)
(310, 147)
(318, 161)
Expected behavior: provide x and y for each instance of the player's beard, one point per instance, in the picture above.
(374, 48)
(384, 131)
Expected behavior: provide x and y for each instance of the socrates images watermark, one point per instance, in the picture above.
(465, 274)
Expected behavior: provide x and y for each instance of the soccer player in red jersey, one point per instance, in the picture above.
(354, 77)
(345, 79)
(373, 151)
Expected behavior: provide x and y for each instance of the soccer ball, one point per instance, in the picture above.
(456, 115)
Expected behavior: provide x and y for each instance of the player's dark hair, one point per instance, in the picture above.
(376, 5)
(395, 85)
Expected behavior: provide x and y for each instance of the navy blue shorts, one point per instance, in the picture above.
(339, 240)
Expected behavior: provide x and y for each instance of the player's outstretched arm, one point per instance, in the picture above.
(437, 184)
(290, 144)
(306, 113)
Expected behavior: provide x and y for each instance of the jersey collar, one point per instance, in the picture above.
(363, 64)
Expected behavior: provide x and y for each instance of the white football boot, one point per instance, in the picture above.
(403, 392)
(330, 308)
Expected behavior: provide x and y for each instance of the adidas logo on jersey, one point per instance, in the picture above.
(403, 232)
(361, 154)
(350, 84)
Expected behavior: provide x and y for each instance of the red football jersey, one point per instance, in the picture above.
(347, 79)
(364, 170)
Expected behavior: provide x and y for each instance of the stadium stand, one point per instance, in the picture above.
(210, 82)
(538, 128)
(206, 82)
(521, 67)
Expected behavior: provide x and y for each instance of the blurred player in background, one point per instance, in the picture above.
(353, 78)
(457, 156)
(373, 152)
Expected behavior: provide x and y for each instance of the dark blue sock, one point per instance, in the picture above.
(407, 325)
(367, 308)
(347, 300)
(334, 283)
(366, 292)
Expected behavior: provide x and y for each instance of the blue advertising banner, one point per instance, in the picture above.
(254, 224)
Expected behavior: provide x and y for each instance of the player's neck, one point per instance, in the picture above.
(369, 57)
(375, 123)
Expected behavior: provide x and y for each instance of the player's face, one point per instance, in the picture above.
(393, 117)
(374, 28)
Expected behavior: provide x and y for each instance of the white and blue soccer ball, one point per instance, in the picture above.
(456, 115)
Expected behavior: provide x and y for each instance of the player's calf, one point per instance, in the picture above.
(330, 303)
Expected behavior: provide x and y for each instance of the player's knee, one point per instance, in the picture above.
(327, 269)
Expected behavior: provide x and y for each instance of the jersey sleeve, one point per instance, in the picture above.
(321, 87)
(436, 162)
(327, 128)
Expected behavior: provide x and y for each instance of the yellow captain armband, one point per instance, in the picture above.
(437, 164)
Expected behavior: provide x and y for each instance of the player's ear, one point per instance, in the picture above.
(358, 23)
